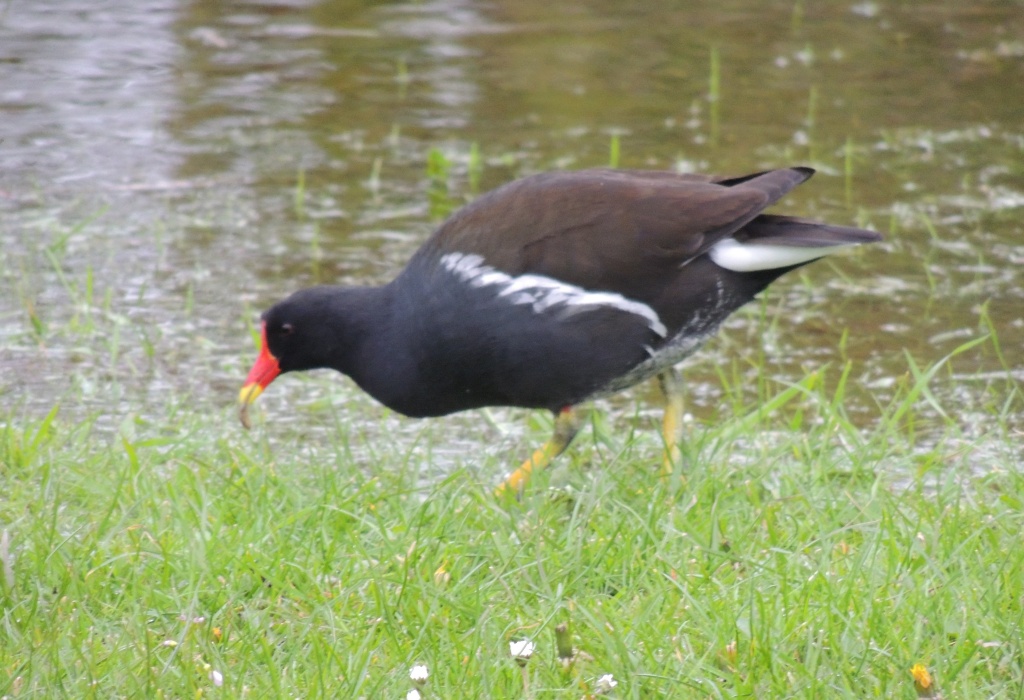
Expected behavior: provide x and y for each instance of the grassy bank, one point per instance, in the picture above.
(796, 556)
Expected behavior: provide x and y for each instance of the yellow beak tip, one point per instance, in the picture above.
(248, 394)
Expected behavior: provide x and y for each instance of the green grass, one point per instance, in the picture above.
(797, 556)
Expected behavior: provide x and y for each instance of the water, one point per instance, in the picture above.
(168, 169)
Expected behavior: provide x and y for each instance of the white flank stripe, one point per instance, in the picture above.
(751, 257)
(543, 293)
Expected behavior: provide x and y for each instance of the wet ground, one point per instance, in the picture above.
(168, 169)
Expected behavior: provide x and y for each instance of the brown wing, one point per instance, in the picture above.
(608, 229)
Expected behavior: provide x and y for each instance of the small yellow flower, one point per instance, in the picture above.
(923, 683)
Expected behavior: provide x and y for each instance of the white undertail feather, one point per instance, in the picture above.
(542, 293)
(751, 257)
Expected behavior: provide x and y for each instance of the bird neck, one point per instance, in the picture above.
(368, 342)
(356, 320)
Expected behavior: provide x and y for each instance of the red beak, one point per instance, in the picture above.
(264, 371)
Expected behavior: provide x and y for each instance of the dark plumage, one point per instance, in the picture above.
(551, 290)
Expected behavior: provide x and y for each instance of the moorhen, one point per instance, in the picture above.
(550, 291)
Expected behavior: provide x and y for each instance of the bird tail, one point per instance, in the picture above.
(770, 242)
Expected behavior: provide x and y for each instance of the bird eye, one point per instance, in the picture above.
(287, 329)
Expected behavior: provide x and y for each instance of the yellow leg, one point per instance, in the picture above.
(567, 424)
(672, 424)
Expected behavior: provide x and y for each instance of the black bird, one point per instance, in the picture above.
(550, 291)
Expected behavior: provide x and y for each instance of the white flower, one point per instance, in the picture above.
(521, 650)
(217, 677)
(413, 695)
(418, 674)
(605, 684)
